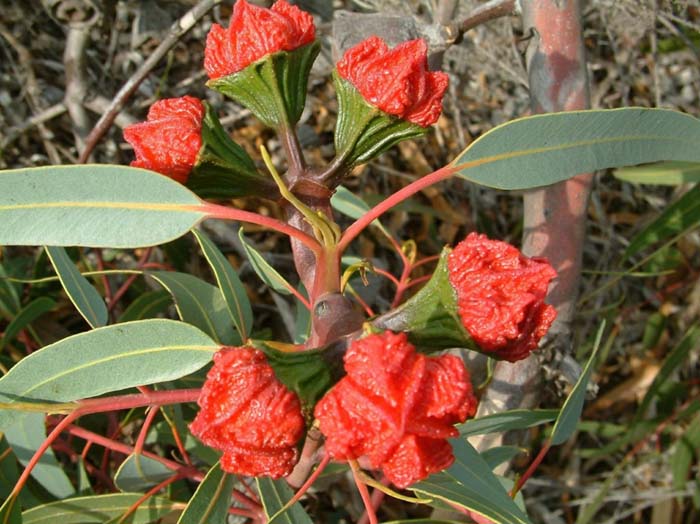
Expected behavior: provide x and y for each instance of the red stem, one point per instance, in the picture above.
(411, 189)
(149, 494)
(228, 213)
(150, 415)
(129, 281)
(364, 493)
(159, 398)
(531, 469)
(309, 481)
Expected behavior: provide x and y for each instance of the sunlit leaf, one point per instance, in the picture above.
(106, 359)
(507, 421)
(93, 205)
(543, 149)
(664, 173)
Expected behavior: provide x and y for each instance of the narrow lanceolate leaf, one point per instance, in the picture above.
(138, 473)
(25, 438)
(106, 359)
(147, 305)
(274, 495)
(664, 173)
(230, 285)
(570, 413)
(681, 215)
(687, 449)
(265, 271)
(210, 503)
(10, 512)
(93, 205)
(470, 483)
(544, 149)
(507, 421)
(98, 509)
(84, 296)
(26, 316)
(200, 304)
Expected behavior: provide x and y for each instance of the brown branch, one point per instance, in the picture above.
(491, 10)
(178, 29)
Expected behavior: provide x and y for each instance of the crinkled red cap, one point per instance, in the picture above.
(397, 407)
(397, 81)
(253, 33)
(247, 413)
(170, 139)
(500, 295)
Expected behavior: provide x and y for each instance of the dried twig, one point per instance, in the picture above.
(178, 29)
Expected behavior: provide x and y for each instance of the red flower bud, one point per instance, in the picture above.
(170, 139)
(500, 295)
(253, 33)
(397, 407)
(397, 81)
(247, 413)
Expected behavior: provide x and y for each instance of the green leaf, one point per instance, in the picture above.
(422, 521)
(470, 483)
(230, 285)
(570, 413)
(687, 447)
(265, 271)
(274, 495)
(348, 203)
(93, 205)
(26, 316)
(507, 421)
(496, 456)
(9, 297)
(147, 305)
(10, 512)
(138, 473)
(543, 149)
(103, 360)
(84, 296)
(210, 503)
(98, 509)
(25, 437)
(200, 304)
(665, 173)
(681, 215)
(675, 358)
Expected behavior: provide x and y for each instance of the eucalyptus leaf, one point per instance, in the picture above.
(93, 205)
(274, 494)
(470, 483)
(544, 149)
(200, 304)
(265, 271)
(210, 503)
(664, 173)
(26, 316)
(507, 421)
(570, 413)
(230, 285)
(139, 473)
(84, 296)
(98, 509)
(147, 305)
(106, 359)
(25, 437)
